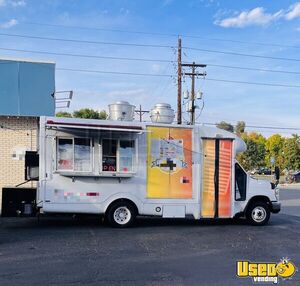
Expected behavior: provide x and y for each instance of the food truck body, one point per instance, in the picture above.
(123, 169)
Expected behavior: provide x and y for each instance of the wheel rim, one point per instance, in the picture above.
(259, 214)
(122, 215)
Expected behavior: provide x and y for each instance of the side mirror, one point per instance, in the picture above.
(277, 173)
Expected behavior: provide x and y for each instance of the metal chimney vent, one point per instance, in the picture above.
(162, 113)
(121, 110)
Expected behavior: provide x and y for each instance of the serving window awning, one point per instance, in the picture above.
(120, 128)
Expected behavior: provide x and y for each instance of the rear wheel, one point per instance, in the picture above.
(258, 213)
(121, 214)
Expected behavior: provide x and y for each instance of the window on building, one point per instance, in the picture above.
(74, 154)
(118, 155)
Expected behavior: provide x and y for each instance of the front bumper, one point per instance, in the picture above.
(275, 207)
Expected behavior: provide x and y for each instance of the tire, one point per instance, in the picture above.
(258, 213)
(121, 214)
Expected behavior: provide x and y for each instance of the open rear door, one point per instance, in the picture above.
(217, 174)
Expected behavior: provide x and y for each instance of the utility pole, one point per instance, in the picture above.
(192, 120)
(179, 74)
(141, 112)
(192, 75)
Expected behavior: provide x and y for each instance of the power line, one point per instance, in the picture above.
(146, 45)
(241, 54)
(86, 56)
(169, 75)
(254, 69)
(257, 126)
(113, 72)
(161, 34)
(144, 60)
(101, 29)
(85, 41)
(253, 83)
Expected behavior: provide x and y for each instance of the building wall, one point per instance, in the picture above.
(17, 134)
(27, 88)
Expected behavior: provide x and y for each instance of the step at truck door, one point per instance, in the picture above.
(217, 178)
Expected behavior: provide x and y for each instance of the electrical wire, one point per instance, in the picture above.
(146, 45)
(86, 56)
(241, 54)
(143, 60)
(160, 34)
(169, 75)
(85, 41)
(257, 126)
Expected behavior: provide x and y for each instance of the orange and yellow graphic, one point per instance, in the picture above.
(169, 163)
(225, 163)
(208, 185)
(208, 200)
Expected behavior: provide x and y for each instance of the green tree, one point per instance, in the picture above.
(225, 125)
(254, 156)
(89, 113)
(63, 114)
(274, 149)
(291, 152)
(240, 127)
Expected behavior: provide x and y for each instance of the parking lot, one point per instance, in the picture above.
(66, 251)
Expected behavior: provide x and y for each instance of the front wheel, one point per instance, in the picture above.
(121, 214)
(258, 213)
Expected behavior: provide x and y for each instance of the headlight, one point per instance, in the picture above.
(277, 194)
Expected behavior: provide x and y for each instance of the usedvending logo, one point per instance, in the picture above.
(266, 272)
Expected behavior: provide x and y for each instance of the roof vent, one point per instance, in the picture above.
(121, 110)
(162, 113)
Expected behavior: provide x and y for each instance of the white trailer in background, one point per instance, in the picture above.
(125, 168)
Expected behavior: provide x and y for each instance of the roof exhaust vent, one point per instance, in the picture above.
(162, 113)
(121, 110)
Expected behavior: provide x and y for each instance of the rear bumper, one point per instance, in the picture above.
(275, 207)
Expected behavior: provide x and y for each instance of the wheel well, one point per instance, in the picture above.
(258, 199)
(123, 200)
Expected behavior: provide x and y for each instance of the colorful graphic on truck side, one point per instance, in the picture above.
(169, 163)
(224, 175)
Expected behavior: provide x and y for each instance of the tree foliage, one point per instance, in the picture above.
(240, 127)
(63, 114)
(284, 151)
(254, 156)
(274, 150)
(89, 113)
(291, 152)
(84, 113)
(225, 125)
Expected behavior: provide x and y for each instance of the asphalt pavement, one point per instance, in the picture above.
(84, 251)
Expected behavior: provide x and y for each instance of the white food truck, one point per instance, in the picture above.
(123, 168)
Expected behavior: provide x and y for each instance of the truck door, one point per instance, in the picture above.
(216, 178)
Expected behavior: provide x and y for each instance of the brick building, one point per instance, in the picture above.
(26, 92)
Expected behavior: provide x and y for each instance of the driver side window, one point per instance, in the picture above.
(240, 183)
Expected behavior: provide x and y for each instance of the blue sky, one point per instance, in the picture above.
(252, 21)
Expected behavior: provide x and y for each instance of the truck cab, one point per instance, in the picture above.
(255, 199)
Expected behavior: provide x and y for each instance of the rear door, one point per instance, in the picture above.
(216, 191)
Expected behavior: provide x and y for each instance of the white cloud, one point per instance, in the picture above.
(9, 24)
(293, 12)
(256, 17)
(13, 3)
